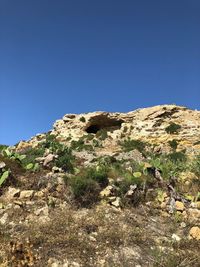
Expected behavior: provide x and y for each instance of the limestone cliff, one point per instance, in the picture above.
(146, 124)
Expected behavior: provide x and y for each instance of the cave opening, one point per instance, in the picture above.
(103, 122)
(93, 129)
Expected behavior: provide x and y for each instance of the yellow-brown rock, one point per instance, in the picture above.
(194, 233)
(146, 124)
(179, 206)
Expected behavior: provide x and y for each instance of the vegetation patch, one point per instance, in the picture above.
(82, 119)
(177, 156)
(87, 185)
(102, 134)
(65, 160)
(173, 144)
(173, 128)
(130, 144)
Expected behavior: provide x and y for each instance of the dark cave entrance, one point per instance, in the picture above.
(93, 129)
(100, 122)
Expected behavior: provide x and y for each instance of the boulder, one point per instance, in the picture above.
(26, 194)
(194, 233)
(179, 206)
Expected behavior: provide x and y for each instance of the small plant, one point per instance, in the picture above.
(96, 143)
(82, 119)
(87, 185)
(98, 174)
(125, 129)
(13, 155)
(85, 190)
(173, 144)
(52, 144)
(3, 147)
(195, 166)
(4, 176)
(80, 145)
(89, 137)
(173, 128)
(102, 134)
(32, 167)
(129, 145)
(29, 161)
(128, 179)
(169, 165)
(65, 160)
(177, 156)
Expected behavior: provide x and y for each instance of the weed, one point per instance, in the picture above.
(52, 144)
(169, 165)
(87, 185)
(173, 128)
(125, 129)
(80, 145)
(3, 147)
(129, 145)
(177, 156)
(65, 160)
(173, 144)
(82, 119)
(195, 166)
(102, 134)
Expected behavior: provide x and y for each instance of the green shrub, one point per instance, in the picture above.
(169, 165)
(128, 179)
(195, 166)
(51, 143)
(96, 143)
(2, 147)
(82, 119)
(125, 129)
(81, 145)
(98, 174)
(106, 161)
(102, 134)
(173, 144)
(129, 145)
(87, 185)
(77, 145)
(173, 128)
(29, 161)
(89, 137)
(85, 190)
(65, 160)
(177, 156)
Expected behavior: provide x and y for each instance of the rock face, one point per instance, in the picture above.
(148, 124)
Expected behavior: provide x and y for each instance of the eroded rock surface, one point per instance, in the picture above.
(147, 124)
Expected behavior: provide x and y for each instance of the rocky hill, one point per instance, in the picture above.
(104, 189)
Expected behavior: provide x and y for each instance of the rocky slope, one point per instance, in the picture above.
(104, 189)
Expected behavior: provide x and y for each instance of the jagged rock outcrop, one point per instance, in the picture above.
(147, 124)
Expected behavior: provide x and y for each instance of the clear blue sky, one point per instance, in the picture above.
(63, 56)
